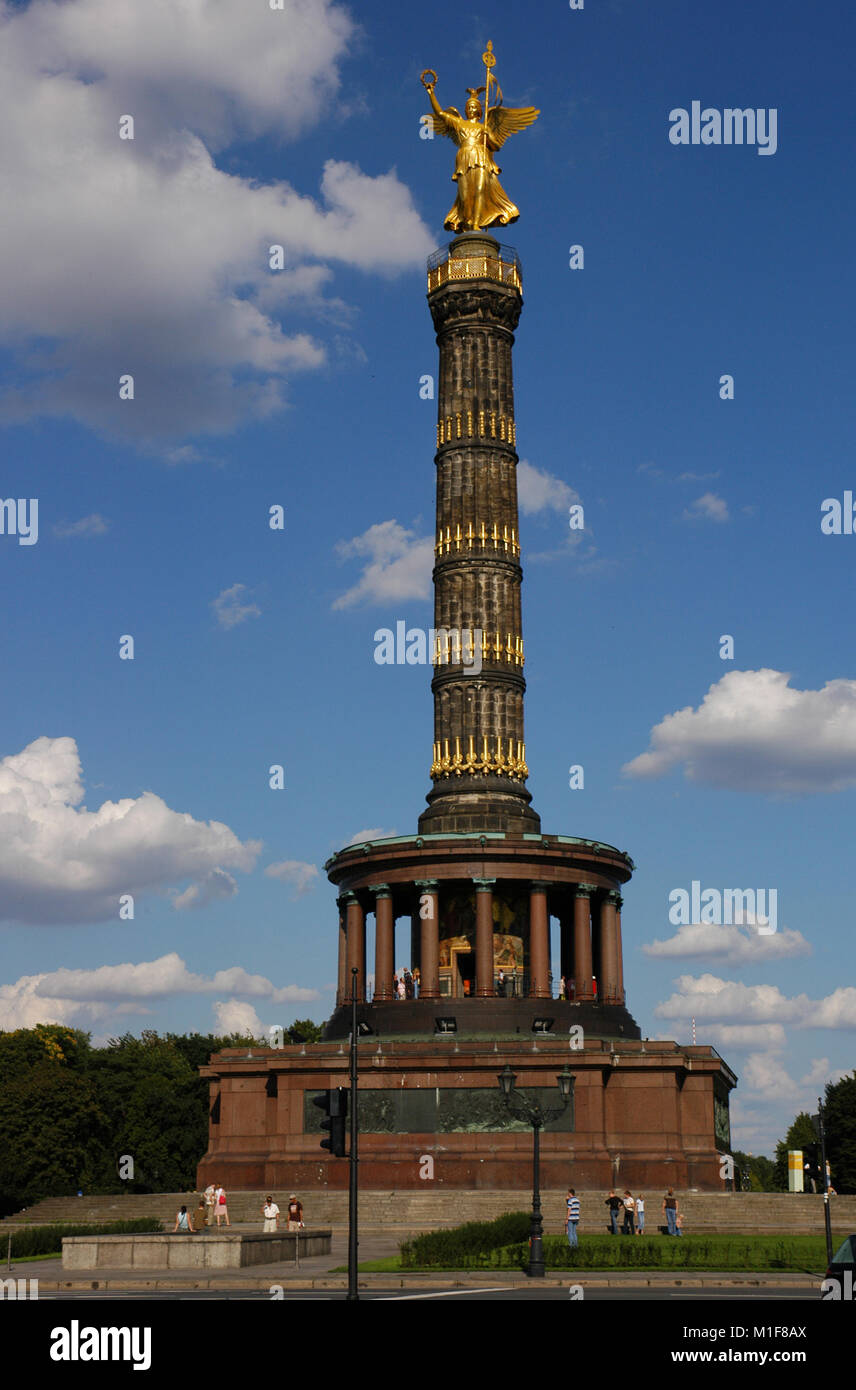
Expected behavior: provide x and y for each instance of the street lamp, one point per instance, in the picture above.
(537, 1116)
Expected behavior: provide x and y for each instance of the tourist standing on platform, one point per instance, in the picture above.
(640, 1216)
(220, 1206)
(615, 1204)
(572, 1217)
(417, 981)
(679, 1224)
(295, 1213)
(270, 1212)
(183, 1223)
(629, 1213)
(670, 1207)
(209, 1195)
(201, 1215)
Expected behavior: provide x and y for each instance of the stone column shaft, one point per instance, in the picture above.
(429, 912)
(484, 938)
(608, 983)
(539, 942)
(341, 979)
(356, 919)
(384, 941)
(582, 945)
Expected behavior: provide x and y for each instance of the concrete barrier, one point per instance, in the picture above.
(212, 1250)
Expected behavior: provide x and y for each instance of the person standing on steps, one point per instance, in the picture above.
(572, 1218)
(670, 1207)
(295, 1213)
(220, 1205)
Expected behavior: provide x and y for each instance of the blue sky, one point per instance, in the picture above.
(300, 388)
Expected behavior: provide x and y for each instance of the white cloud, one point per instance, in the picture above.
(231, 606)
(61, 863)
(734, 1036)
(302, 877)
(232, 1016)
(707, 997)
(752, 732)
(399, 565)
(708, 507)
(734, 944)
(159, 979)
(142, 256)
(94, 525)
(538, 491)
(372, 833)
(217, 884)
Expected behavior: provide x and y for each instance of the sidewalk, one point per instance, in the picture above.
(314, 1273)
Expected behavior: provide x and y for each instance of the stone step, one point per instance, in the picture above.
(408, 1212)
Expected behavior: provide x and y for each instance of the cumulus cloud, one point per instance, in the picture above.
(539, 491)
(302, 877)
(158, 979)
(708, 507)
(94, 525)
(708, 997)
(752, 732)
(231, 606)
(398, 565)
(110, 992)
(734, 944)
(217, 884)
(142, 256)
(61, 863)
(373, 833)
(233, 1016)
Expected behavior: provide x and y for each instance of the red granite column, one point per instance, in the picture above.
(608, 983)
(484, 937)
(342, 978)
(566, 949)
(356, 919)
(429, 915)
(539, 942)
(384, 941)
(583, 988)
(620, 950)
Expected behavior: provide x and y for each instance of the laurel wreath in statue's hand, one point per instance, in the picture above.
(429, 86)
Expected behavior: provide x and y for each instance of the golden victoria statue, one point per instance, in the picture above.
(481, 199)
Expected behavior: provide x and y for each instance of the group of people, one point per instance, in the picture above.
(214, 1207)
(212, 1204)
(405, 984)
(632, 1211)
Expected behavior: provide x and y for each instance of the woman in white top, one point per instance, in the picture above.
(640, 1216)
(183, 1222)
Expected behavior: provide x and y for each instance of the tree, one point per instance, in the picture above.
(801, 1134)
(839, 1118)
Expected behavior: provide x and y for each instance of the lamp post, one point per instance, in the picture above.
(537, 1116)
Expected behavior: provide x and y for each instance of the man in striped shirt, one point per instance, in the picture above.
(573, 1206)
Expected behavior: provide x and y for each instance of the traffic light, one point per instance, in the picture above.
(335, 1105)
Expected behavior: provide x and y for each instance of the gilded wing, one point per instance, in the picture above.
(441, 125)
(503, 121)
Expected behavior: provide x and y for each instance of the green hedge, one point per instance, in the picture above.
(47, 1240)
(465, 1245)
(445, 1249)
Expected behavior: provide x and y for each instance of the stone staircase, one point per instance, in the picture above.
(408, 1212)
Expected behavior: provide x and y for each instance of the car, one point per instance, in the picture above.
(841, 1274)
